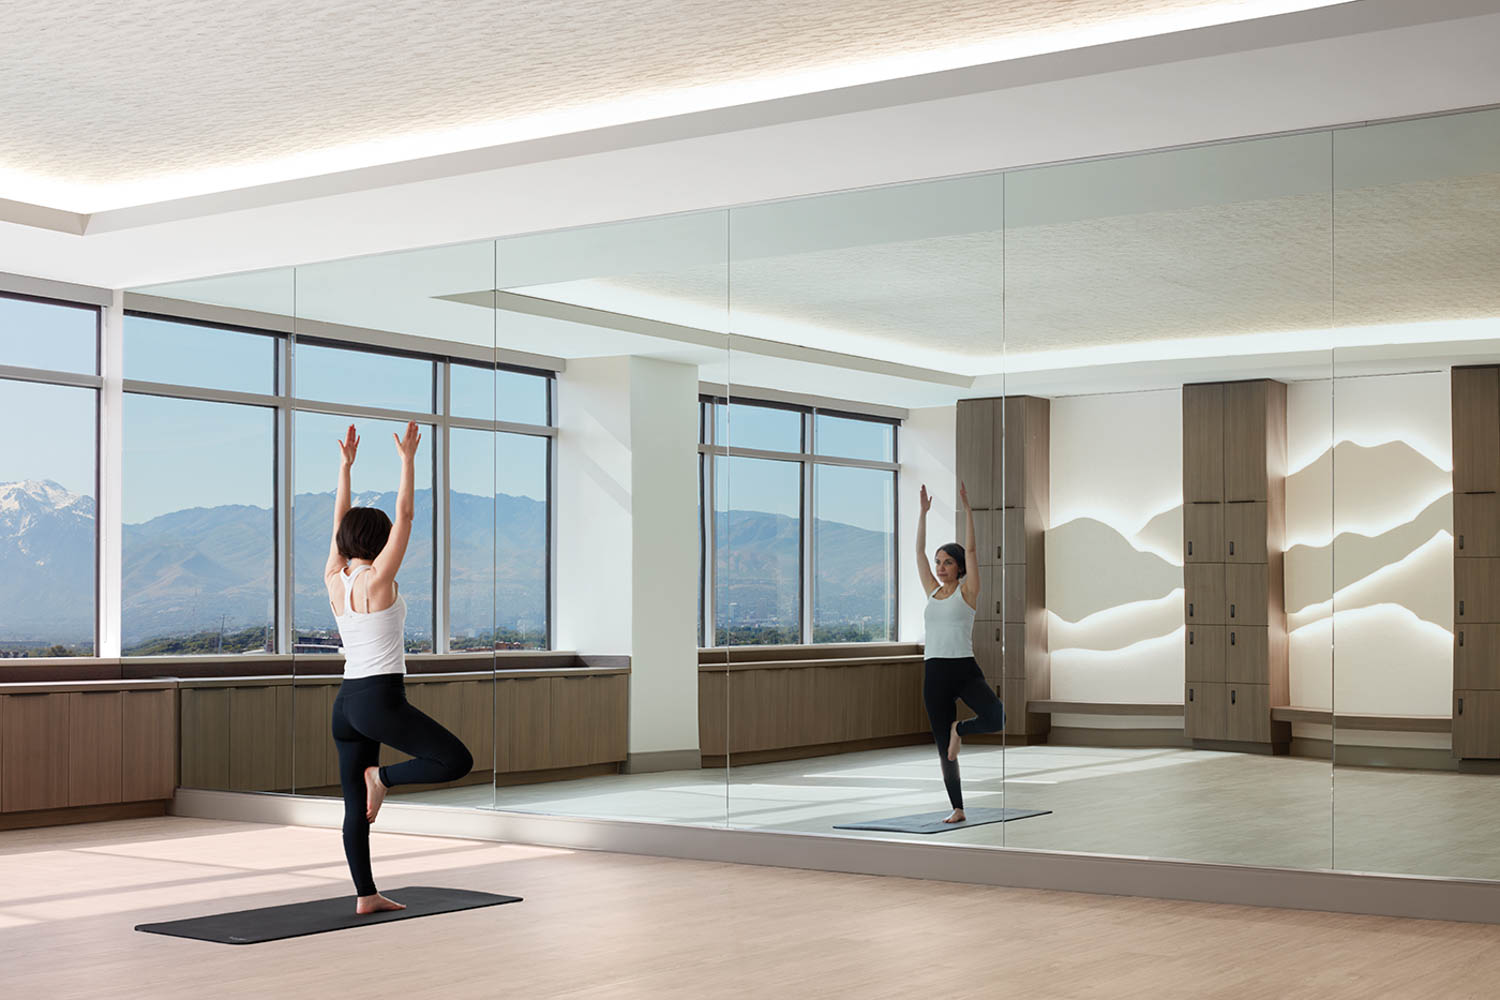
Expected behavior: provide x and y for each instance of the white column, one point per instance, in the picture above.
(928, 455)
(109, 508)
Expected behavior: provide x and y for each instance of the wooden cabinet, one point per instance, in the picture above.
(1234, 451)
(1476, 429)
(976, 448)
(148, 742)
(1203, 532)
(34, 770)
(1476, 723)
(1476, 525)
(1206, 650)
(988, 536)
(1205, 601)
(1202, 443)
(1205, 715)
(1476, 563)
(95, 734)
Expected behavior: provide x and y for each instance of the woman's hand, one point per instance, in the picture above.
(407, 445)
(349, 446)
(963, 494)
(926, 500)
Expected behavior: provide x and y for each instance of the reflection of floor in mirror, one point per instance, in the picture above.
(598, 926)
(1168, 803)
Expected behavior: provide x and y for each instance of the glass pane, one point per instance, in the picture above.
(159, 350)
(198, 568)
(854, 548)
(363, 378)
(522, 556)
(488, 394)
(1416, 682)
(471, 508)
(47, 520)
(758, 531)
(845, 437)
(759, 428)
(376, 476)
(49, 335)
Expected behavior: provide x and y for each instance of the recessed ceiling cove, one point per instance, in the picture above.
(109, 105)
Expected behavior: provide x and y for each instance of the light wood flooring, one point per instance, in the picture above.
(597, 926)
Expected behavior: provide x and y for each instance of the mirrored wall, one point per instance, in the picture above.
(692, 507)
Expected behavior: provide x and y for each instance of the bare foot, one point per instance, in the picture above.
(374, 795)
(376, 904)
(953, 742)
(957, 817)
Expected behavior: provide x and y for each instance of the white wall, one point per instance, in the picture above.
(627, 550)
(664, 556)
(928, 455)
(1114, 548)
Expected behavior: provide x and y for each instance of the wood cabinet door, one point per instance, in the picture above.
(1245, 532)
(530, 739)
(1247, 654)
(1025, 587)
(1203, 443)
(205, 738)
(1476, 724)
(1476, 656)
(1205, 653)
(991, 601)
(95, 741)
(1249, 712)
(1476, 430)
(148, 740)
(988, 648)
(256, 733)
(1247, 590)
(976, 450)
(1205, 601)
(1476, 525)
(1476, 591)
(1203, 532)
(1246, 471)
(34, 755)
(1203, 711)
(1025, 538)
(987, 537)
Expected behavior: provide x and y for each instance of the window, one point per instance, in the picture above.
(48, 524)
(193, 354)
(486, 393)
(803, 543)
(363, 378)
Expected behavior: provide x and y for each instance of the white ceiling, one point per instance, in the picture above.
(111, 105)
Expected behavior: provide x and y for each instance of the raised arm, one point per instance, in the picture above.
(389, 561)
(347, 449)
(924, 571)
(971, 552)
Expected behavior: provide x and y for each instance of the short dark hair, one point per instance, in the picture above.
(957, 552)
(363, 532)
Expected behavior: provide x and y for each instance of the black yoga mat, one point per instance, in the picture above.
(271, 923)
(933, 822)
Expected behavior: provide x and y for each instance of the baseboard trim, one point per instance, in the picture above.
(1074, 736)
(1358, 755)
(83, 814)
(745, 757)
(1413, 896)
(655, 761)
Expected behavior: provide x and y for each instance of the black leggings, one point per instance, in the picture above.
(370, 711)
(945, 681)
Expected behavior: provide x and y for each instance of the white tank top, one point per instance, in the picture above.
(950, 626)
(374, 642)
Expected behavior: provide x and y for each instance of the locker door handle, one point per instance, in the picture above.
(1190, 609)
(1460, 706)
(998, 553)
(1231, 548)
(997, 633)
(1231, 638)
(997, 608)
(1190, 695)
(1231, 611)
(1460, 607)
(1190, 637)
(1460, 637)
(1231, 696)
(1190, 546)
(1460, 541)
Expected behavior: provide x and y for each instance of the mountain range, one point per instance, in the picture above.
(207, 568)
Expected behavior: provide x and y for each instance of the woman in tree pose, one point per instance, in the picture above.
(951, 672)
(371, 708)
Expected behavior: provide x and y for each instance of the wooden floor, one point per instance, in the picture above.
(617, 926)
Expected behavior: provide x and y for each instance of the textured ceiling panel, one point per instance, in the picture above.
(101, 93)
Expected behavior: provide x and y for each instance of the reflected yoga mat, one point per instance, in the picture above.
(933, 822)
(272, 923)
